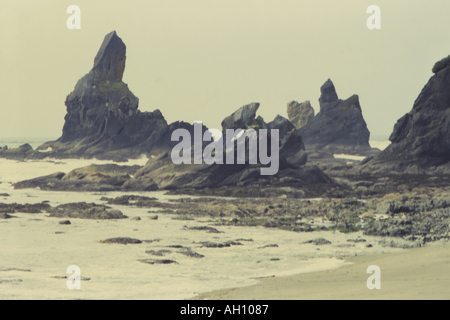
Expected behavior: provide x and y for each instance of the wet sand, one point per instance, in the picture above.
(420, 273)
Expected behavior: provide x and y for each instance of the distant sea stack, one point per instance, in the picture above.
(421, 138)
(338, 127)
(102, 117)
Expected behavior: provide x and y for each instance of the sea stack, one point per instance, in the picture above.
(103, 119)
(421, 138)
(338, 127)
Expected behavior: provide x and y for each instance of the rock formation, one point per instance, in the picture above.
(300, 113)
(162, 173)
(338, 127)
(103, 121)
(292, 156)
(102, 117)
(421, 138)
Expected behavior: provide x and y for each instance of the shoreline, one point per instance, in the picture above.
(414, 274)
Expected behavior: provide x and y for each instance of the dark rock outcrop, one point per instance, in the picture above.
(161, 172)
(292, 156)
(243, 118)
(103, 119)
(85, 210)
(338, 127)
(421, 138)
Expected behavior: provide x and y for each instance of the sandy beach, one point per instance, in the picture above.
(413, 274)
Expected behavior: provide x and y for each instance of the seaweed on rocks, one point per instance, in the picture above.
(121, 240)
(85, 210)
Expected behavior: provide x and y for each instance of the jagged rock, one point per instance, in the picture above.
(109, 63)
(300, 113)
(420, 139)
(242, 118)
(328, 93)
(291, 142)
(339, 126)
(103, 119)
(166, 175)
(161, 172)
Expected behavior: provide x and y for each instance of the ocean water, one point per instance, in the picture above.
(379, 142)
(35, 250)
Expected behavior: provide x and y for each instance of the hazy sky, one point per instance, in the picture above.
(200, 60)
